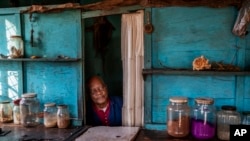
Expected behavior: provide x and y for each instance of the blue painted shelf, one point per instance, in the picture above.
(191, 72)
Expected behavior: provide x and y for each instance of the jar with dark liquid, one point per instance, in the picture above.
(203, 123)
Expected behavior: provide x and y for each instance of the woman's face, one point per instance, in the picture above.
(98, 92)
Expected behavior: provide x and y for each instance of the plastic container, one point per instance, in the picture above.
(203, 122)
(178, 117)
(29, 110)
(63, 118)
(246, 118)
(225, 117)
(50, 111)
(15, 47)
(6, 114)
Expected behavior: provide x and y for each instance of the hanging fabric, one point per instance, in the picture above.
(132, 52)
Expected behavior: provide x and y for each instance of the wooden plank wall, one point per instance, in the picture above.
(54, 34)
(182, 34)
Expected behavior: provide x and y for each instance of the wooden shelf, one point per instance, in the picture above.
(191, 72)
(43, 59)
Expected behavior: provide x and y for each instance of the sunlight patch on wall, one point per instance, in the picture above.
(13, 84)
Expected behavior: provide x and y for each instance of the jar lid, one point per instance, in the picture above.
(49, 104)
(5, 102)
(5, 99)
(61, 106)
(178, 99)
(29, 95)
(15, 36)
(246, 112)
(208, 101)
(228, 108)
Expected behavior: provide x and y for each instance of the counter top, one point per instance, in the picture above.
(106, 133)
(39, 133)
(155, 135)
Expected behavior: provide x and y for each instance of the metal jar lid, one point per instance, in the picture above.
(178, 99)
(29, 95)
(15, 36)
(62, 106)
(246, 113)
(207, 101)
(228, 108)
(4, 102)
(49, 104)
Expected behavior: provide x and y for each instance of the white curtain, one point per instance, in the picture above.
(132, 50)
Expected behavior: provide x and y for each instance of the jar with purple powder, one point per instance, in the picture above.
(203, 122)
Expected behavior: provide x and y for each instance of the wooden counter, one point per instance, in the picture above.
(155, 135)
(19, 133)
(38, 133)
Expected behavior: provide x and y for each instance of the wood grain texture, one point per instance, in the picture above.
(210, 3)
(182, 34)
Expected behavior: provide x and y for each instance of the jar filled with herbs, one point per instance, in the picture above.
(225, 117)
(178, 117)
(15, 47)
(6, 114)
(203, 122)
(63, 118)
(50, 119)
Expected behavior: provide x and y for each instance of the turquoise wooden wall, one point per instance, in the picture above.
(182, 34)
(59, 81)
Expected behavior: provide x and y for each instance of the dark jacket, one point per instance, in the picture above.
(115, 115)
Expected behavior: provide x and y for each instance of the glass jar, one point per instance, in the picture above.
(16, 111)
(50, 119)
(15, 47)
(178, 117)
(6, 112)
(29, 110)
(246, 118)
(63, 119)
(203, 122)
(225, 117)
